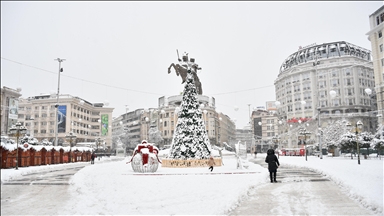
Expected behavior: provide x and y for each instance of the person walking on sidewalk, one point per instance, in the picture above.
(211, 162)
(93, 155)
(273, 164)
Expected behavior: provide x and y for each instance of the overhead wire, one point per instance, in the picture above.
(122, 88)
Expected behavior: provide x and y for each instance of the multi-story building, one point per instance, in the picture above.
(220, 127)
(88, 121)
(375, 35)
(9, 108)
(264, 127)
(327, 81)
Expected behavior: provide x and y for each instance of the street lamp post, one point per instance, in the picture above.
(261, 140)
(318, 126)
(70, 136)
(98, 140)
(358, 125)
(276, 140)
(57, 101)
(17, 130)
(315, 63)
(31, 127)
(305, 133)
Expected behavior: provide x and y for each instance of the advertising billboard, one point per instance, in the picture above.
(13, 108)
(104, 124)
(61, 118)
(13, 105)
(271, 106)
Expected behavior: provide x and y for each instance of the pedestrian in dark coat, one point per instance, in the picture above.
(93, 155)
(273, 164)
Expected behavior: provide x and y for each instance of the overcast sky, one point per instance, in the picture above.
(120, 51)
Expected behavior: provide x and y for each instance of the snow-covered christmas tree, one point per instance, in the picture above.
(190, 140)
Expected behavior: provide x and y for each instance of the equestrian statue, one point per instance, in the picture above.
(182, 69)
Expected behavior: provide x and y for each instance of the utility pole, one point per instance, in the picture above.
(57, 102)
(318, 108)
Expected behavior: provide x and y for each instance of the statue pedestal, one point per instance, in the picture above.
(174, 163)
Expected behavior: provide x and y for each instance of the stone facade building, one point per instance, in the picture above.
(9, 108)
(375, 35)
(137, 123)
(321, 83)
(88, 121)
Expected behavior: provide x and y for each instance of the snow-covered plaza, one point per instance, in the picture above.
(111, 187)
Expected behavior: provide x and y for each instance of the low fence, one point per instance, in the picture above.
(188, 163)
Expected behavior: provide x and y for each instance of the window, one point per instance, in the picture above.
(322, 84)
(297, 97)
(348, 81)
(382, 62)
(381, 47)
(296, 88)
(335, 82)
(306, 86)
(350, 101)
(322, 94)
(308, 105)
(306, 76)
(336, 102)
(347, 72)
(380, 34)
(307, 95)
(323, 103)
(350, 91)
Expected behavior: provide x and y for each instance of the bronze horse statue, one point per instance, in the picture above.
(183, 72)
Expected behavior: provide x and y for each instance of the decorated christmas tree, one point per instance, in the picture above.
(190, 140)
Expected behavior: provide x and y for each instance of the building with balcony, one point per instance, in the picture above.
(327, 81)
(375, 35)
(264, 127)
(88, 121)
(137, 123)
(9, 108)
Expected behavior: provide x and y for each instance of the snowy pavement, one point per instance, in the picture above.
(299, 191)
(111, 187)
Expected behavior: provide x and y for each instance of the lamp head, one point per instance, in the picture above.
(348, 125)
(359, 124)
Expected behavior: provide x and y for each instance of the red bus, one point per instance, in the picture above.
(293, 152)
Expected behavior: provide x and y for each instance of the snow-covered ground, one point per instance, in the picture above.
(111, 187)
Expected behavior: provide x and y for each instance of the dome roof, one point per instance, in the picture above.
(313, 53)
